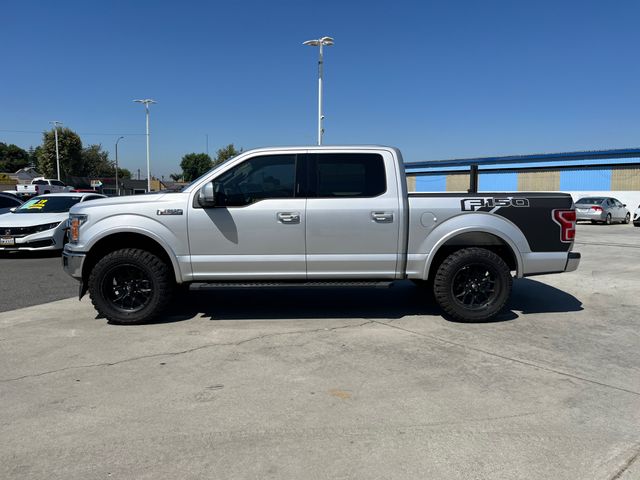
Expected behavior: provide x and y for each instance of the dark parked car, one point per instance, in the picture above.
(602, 210)
(8, 201)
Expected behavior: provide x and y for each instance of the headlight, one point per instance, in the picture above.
(75, 220)
(46, 226)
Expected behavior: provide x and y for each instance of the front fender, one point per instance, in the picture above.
(172, 238)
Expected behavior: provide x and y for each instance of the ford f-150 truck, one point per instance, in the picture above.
(313, 215)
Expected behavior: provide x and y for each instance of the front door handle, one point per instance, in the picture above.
(288, 217)
(382, 217)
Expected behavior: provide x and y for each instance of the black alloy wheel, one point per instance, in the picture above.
(127, 287)
(130, 286)
(472, 284)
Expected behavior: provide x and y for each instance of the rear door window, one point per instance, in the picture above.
(346, 175)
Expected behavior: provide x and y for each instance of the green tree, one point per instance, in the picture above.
(12, 158)
(124, 173)
(96, 163)
(70, 149)
(195, 164)
(225, 153)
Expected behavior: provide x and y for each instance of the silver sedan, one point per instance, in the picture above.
(602, 210)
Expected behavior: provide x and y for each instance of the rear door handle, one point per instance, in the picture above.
(382, 217)
(288, 217)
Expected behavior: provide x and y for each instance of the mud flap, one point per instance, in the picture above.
(82, 289)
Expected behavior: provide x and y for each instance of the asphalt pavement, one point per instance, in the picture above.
(368, 383)
(28, 278)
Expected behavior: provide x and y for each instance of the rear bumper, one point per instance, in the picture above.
(572, 262)
(541, 263)
(593, 216)
(72, 263)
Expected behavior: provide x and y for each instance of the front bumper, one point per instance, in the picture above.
(72, 263)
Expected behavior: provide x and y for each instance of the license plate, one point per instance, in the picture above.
(7, 241)
(580, 210)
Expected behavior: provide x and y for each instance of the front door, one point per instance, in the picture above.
(353, 219)
(257, 228)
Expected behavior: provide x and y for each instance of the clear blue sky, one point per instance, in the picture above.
(437, 79)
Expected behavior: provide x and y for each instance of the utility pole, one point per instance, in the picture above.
(55, 124)
(321, 42)
(146, 102)
(117, 183)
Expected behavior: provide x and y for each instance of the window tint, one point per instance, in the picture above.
(51, 204)
(7, 202)
(57, 182)
(348, 175)
(39, 182)
(257, 179)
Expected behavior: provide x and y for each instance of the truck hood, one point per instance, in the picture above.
(124, 202)
(30, 219)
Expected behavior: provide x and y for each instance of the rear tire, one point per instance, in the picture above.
(130, 286)
(608, 219)
(472, 284)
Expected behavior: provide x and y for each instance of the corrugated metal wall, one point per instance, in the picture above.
(625, 179)
(600, 179)
(539, 181)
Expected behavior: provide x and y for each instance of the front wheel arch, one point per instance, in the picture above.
(117, 241)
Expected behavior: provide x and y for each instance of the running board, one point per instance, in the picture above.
(319, 283)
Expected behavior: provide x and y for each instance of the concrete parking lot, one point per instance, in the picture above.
(367, 383)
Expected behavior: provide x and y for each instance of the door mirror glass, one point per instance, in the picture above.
(206, 197)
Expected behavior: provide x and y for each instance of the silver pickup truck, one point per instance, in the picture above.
(313, 215)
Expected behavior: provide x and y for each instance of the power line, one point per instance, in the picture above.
(79, 133)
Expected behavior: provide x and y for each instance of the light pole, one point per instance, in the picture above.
(321, 42)
(117, 184)
(55, 124)
(147, 102)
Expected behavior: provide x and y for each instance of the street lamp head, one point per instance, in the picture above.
(146, 101)
(326, 41)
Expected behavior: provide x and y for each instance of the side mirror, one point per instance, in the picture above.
(624, 204)
(206, 197)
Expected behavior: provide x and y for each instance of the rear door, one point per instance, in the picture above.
(353, 216)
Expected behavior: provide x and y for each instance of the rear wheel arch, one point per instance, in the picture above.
(476, 238)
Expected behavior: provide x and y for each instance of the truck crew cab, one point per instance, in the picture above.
(316, 214)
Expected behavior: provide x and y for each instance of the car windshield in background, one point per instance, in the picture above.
(48, 205)
(591, 200)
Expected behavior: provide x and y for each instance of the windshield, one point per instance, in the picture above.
(591, 200)
(48, 204)
(207, 173)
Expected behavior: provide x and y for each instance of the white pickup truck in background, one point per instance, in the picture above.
(41, 186)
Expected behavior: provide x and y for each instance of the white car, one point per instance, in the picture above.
(40, 223)
(636, 217)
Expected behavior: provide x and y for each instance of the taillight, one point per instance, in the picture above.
(567, 221)
(596, 209)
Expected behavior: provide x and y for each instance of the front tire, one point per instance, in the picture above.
(130, 286)
(627, 219)
(472, 284)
